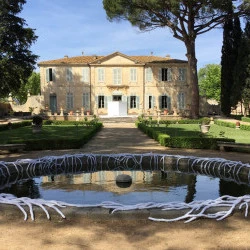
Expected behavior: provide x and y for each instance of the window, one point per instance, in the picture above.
(85, 74)
(69, 75)
(182, 76)
(165, 74)
(50, 75)
(149, 101)
(100, 101)
(181, 101)
(117, 76)
(148, 75)
(133, 75)
(133, 102)
(100, 74)
(69, 101)
(165, 102)
(86, 101)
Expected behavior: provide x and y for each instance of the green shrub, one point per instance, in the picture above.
(224, 123)
(245, 119)
(37, 120)
(200, 142)
(245, 127)
(15, 125)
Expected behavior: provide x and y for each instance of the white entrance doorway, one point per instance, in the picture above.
(117, 107)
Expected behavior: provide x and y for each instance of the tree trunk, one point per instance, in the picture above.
(193, 78)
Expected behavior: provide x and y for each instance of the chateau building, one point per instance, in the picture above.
(116, 84)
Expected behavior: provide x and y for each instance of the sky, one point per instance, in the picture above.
(66, 27)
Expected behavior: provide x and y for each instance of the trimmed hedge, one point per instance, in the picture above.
(181, 142)
(15, 125)
(245, 119)
(224, 123)
(71, 123)
(232, 125)
(245, 127)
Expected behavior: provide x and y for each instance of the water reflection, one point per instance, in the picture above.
(155, 186)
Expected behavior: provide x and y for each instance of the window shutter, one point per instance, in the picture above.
(179, 101)
(137, 102)
(160, 75)
(128, 104)
(169, 76)
(160, 101)
(47, 75)
(53, 75)
(169, 102)
(105, 102)
(153, 101)
(124, 98)
(147, 102)
(85, 74)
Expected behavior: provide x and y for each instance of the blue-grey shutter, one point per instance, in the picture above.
(97, 101)
(160, 101)
(105, 102)
(160, 75)
(87, 101)
(153, 101)
(137, 102)
(47, 75)
(179, 101)
(169, 102)
(124, 98)
(128, 104)
(53, 75)
(169, 76)
(146, 102)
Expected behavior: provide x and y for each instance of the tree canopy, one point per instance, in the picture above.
(16, 60)
(31, 86)
(186, 20)
(210, 81)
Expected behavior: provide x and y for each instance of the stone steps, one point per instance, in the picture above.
(123, 119)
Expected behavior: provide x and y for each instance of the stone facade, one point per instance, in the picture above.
(144, 83)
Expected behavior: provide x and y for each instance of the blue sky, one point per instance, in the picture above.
(66, 27)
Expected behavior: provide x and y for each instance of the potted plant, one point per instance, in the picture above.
(205, 125)
(237, 125)
(165, 111)
(37, 122)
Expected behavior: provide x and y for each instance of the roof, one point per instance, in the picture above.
(94, 59)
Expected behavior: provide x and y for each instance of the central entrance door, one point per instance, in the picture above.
(117, 98)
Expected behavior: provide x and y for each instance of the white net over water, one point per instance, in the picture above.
(220, 208)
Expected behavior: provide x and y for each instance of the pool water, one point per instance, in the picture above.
(94, 188)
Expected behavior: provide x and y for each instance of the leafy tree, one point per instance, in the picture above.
(16, 60)
(210, 81)
(32, 86)
(186, 20)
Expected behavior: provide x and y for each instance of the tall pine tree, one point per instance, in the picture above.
(246, 81)
(16, 60)
(231, 42)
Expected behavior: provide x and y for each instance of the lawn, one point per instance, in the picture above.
(51, 136)
(216, 131)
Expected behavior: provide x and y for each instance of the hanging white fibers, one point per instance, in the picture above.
(10, 172)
